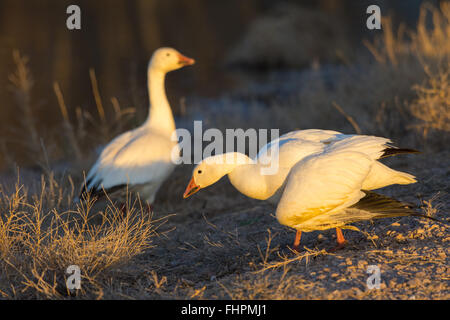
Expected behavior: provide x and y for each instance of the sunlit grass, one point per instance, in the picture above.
(432, 105)
(40, 236)
(428, 46)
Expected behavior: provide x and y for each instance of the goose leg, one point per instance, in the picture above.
(340, 240)
(340, 237)
(296, 245)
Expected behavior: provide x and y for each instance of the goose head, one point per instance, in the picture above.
(203, 176)
(169, 59)
(212, 169)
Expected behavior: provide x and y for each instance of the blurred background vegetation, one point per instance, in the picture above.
(233, 42)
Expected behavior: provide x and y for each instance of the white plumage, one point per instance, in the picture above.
(141, 159)
(320, 185)
(321, 174)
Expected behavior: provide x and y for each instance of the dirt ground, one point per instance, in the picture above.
(221, 245)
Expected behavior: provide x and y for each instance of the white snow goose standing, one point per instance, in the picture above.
(140, 160)
(323, 181)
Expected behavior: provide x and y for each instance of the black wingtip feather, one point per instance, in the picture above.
(388, 207)
(92, 191)
(391, 151)
(428, 217)
(99, 192)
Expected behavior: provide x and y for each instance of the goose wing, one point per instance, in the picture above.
(320, 185)
(138, 157)
(295, 145)
(314, 135)
(372, 146)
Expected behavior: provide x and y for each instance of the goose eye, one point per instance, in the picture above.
(168, 54)
(199, 171)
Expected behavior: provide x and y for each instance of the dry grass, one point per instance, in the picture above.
(428, 47)
(21, 85)
(424, 43)
(39, 240)
(432, 106)
(78, 131)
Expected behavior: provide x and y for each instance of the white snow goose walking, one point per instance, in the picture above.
(140, 160)
(323, 179)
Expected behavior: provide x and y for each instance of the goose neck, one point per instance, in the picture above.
(160, 114)
(248, 180)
